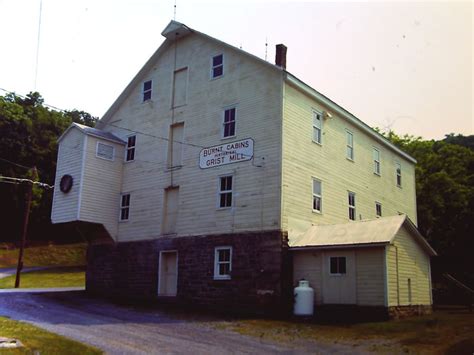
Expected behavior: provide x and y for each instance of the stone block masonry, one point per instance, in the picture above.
(260, 279)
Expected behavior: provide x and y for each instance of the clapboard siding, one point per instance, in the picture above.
(370, 277)
(407, 260)
(303, 159)
(70, 158)
(101, 186)
(255, 91)
(308, 265)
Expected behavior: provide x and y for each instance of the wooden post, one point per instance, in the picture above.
(29, 196)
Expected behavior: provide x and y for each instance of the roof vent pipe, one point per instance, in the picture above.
(280, 56)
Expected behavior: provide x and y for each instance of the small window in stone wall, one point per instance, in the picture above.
(105, 151)
(222, 263)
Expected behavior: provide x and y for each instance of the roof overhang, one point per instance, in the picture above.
(340, 246)
(331, 105)
(94, 132)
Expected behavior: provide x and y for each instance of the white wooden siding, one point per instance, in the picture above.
(304, 159)
(70, 158)
(102, 186)
(407, 260)
(368, 275)
(257, 91)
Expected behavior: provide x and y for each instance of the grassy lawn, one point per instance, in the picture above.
(38, 341)
(444, 332)
(69, 276)
(49, 255)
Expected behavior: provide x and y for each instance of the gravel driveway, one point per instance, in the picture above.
(128, 330)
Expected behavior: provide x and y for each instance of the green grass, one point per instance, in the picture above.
(49, 255)
(69, 276)
(38, 341)
(438, 333)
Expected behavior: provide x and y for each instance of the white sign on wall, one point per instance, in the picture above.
(228, 153)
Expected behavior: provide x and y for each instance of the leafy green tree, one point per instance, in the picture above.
(445, 198)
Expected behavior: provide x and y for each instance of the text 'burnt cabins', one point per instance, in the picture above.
(201, 176)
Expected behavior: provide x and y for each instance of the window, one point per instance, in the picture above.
(317, 126)
(376, 155)
(222, 263)
(225, 191)
(104, 151)
(337, 265)
(378, 209)
(130, 152)
(147, 90)
(229, 123)
(124, 207)
(175, 145)
(317, 196)
(349, 145)
(399, 174)
(217, 69)
(352, 205)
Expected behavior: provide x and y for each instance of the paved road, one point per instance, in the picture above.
(127, 330)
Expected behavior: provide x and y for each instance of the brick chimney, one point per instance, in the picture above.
(280, 56)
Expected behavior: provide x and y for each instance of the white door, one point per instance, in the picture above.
(339, 277)
(168, 273)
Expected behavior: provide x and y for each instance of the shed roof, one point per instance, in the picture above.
(375, 232)
(92, 132)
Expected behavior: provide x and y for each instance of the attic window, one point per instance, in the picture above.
(217, 69)
(104, 151)
(147, 90)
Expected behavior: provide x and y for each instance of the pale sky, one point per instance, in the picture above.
(404, 65)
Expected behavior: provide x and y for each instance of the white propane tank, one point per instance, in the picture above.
(304, 299)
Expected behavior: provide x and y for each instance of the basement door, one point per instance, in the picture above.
(339, 277)
(168, 273)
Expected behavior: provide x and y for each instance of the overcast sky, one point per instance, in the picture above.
(401, 65)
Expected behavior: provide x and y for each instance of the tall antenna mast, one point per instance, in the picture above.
(266, 47)
(38, 42)
(174, 17)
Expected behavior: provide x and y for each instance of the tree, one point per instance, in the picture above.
(445, 198)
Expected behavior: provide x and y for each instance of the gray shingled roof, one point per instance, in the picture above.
(94, 132)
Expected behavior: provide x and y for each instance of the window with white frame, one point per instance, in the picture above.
(105, 151)
(399, 174)
(376, 155)
(317, 127)
(225, 191)
(147, 88)
(352, 205)
(349, 145)
(337, 265)
(317, 196)
(217, 68)
(124, 207)
(378, 209)
(228, 129)
(130, 151)
(222, 263)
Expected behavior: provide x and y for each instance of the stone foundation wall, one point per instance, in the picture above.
(261, 271)
(398, 312)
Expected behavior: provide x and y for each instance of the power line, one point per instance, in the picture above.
(14, 180)
(19, 165)
(38, 41)
(24, 97)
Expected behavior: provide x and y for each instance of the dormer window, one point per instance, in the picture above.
(217, 68)
(147, 90)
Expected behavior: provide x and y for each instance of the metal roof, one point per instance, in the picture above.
(373, 232)
(93, 132)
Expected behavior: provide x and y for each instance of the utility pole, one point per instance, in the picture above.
(29, 195)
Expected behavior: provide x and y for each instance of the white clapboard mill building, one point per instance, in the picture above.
(217, 178)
